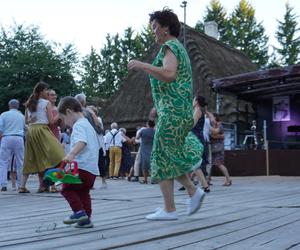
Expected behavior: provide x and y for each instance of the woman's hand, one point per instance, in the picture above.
(153, 114)
(135, 64)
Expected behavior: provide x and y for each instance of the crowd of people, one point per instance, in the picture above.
(173, 145)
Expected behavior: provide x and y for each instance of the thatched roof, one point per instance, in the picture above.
(210, 59)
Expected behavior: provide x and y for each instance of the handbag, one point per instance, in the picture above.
(217, 147)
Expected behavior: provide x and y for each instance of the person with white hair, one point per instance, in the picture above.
(81, 98)
(89, 113)
(12, 129)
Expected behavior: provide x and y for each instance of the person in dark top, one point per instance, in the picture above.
(147, 136)
(199, 119)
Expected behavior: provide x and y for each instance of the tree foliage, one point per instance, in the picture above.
(289, 50)
(90, 73)
(247, 35)
(26, 57)
(215, 12)
(240, 30)
(103, 73)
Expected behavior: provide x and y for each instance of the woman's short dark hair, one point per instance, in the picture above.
(201, 101)
(167, 18)
(217, 117)
(151, 123)
(69, 102)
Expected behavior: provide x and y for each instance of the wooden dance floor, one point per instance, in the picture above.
(254, 213)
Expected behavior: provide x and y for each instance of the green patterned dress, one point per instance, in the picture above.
(176, 150)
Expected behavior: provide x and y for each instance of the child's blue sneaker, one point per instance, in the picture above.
(76, 217)
(84, 224)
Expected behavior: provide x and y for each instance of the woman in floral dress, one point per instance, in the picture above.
(176, 151)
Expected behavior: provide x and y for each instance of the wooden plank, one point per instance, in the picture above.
(233, 217)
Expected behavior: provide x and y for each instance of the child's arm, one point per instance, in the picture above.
(75, 150)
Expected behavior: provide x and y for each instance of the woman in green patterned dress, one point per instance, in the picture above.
(176, 151)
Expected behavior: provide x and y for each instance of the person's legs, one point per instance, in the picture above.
(137, 163)
(118, 158)
(167, 189)
(19, 158)
(169, 211)
(130, 174)
(145, 171)
(78, 197)
(185, 181)
(70, 193)
(5, 156)
(13, 177)
(111, 161)
(42, 187)
(22, 188)
(102, 167)
(225, 172)
(196, 194)
(201, 177)
(84, 193)
(209, 164)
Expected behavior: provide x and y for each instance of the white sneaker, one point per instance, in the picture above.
(195, 202)
(161, 214)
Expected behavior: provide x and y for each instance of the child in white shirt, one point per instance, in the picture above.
(84, 150)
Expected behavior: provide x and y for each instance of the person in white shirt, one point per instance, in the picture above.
(42, 149)
(85, 151)
(65, 140)
(103, 169)
(12, 128)
(115, 139)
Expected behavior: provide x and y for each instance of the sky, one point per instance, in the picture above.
(87, 22)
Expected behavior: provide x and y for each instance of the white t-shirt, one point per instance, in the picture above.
(12, 122)
(87, 159)
(41, 112)
(115, 138)
(206, 129)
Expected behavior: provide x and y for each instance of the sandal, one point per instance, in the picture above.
(206, 189)
(227, 183)
(144, 182)
(23, 190)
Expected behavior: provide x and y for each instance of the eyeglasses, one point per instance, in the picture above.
(52, 94)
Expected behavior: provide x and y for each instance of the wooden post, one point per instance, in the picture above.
(267, 158)
(266, 146)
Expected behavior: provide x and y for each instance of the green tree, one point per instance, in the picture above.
(90, 74)
(112, 61)
(147, 39)
(109, 57)
(247, 35)
(26, 58)
(215, 12)
(286, 33)
(273, 60)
